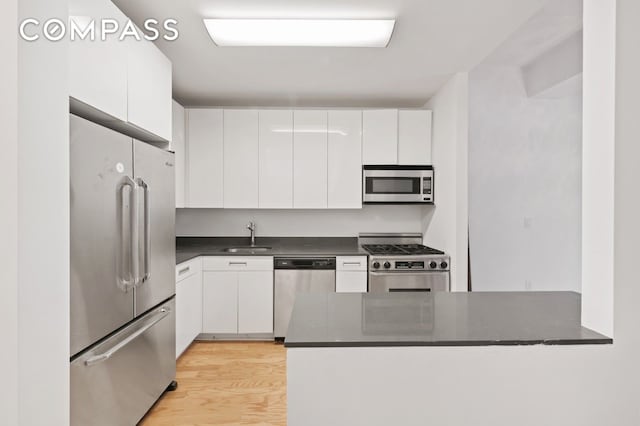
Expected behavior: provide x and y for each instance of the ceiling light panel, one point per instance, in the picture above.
(301, 32)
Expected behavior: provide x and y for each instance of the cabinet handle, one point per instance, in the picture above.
(184, 270)
(352, 263)
(238, 263)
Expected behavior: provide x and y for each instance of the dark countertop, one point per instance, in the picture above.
(438, 319)
(190, 247)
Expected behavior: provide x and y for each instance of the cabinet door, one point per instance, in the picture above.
(204, 158)
(414, 137)
(351, 274)
(178, 146)
(345, 160)
(188, 311)
(98, 69)
(240, 159)
(220, 302)
(351, 282)
(380, 136)
(276, 159)
(149, 88)
(310, 159)
(255, 302)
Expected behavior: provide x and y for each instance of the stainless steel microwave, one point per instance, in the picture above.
(397, 184)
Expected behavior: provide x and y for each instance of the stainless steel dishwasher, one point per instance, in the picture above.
(299, 275)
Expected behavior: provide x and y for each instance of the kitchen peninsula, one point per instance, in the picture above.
(394, 352)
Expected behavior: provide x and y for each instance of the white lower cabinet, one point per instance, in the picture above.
(351, 274)
(255, 302)
(188, 303)
(237, 295)
(220, 302)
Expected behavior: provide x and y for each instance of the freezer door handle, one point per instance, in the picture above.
(127, 277)
(157, 317)
(147, 231)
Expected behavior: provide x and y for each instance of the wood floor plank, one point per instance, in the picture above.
(226, 383)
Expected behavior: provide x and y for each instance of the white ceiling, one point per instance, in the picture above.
(432, 40)
(554, 23)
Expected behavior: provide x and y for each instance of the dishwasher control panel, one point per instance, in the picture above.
(304, 263)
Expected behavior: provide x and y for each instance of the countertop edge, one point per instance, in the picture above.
(460, 343)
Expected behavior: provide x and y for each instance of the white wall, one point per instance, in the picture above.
(299, 223)
(43, 223)
(599, 155)
(525, 177)
(9, 212)
(445, 226)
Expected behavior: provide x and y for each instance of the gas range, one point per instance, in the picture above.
(400, 262)
(401, 257)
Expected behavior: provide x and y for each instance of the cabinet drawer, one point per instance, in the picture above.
(237, 263)
(351, 263)
(186, 269)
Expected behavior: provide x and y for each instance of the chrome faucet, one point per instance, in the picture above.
(252, 227)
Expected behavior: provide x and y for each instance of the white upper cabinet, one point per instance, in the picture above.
(276, 159)
(124, 85)
(97, 69)
(241, 158)
(304, 159)
(414, 137)
(380, 136)
(204, 158)
(345, 159)
(149, 88)
(310, 159)
(178, 146)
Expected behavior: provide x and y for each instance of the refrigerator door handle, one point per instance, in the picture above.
(147, 231)
(127, 278)
(159, 316)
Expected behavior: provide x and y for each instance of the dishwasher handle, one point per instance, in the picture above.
(312, 263)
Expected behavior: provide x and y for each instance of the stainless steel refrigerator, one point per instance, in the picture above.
(122, 275)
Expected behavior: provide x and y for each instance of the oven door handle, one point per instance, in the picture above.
(410, 290)
(406, 274)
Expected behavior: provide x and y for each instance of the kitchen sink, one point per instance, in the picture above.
(246, 249)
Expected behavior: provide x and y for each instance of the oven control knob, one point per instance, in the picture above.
(387, 265)
(433, 265)
(376, 265)
(444, 265)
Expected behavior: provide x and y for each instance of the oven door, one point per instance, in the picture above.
(389, 282)
(398, 186)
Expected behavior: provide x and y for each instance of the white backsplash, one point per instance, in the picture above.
(300, 223)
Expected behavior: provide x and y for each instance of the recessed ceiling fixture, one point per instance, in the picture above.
(301, 32)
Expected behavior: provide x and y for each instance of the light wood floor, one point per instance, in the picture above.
(226, 383)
